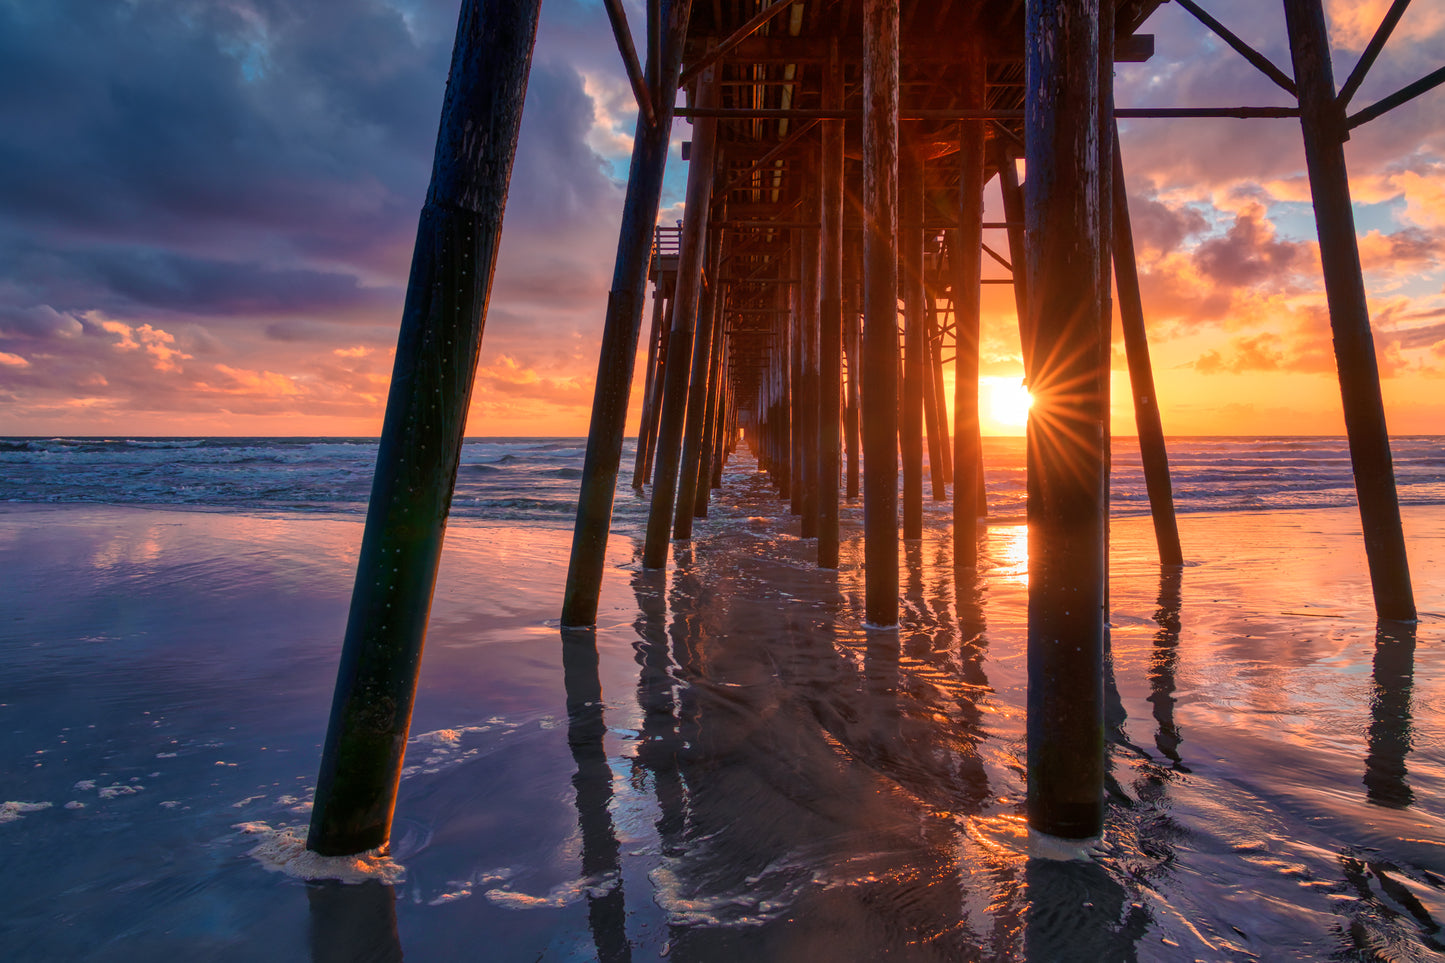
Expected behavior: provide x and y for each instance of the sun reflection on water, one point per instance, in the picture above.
(1008, 550)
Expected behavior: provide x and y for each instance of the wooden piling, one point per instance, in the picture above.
(1013, 212)
(852, 413)
(644, 423)
(620, 330)
(808, 318)
(830, 337)
(1152, 449)
(965, 266)
(702, 486)
(721, 417)
(880, 325)
(695, 423)
(1068, 429)
(692, 250)
(797, 384)
(421, 439)
(1322, 121)
(910, 283)
(939, 487)
(940, 403)
(658, 382)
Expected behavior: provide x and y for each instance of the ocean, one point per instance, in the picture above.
(732, 766)
(536, 479)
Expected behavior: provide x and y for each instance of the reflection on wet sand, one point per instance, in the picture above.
(1391, 733)
(1164, 664)
(822, 789)
(353, 923)
(586, 726)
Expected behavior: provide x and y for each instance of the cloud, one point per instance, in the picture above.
(1259, 353)
(13, 360)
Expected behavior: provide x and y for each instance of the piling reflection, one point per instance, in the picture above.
(810, 774)
(352, 923)
(1164, 664)
(1077, 913)
(586, 727)
(1391, 729)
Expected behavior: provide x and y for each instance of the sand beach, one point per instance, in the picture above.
(732, 767)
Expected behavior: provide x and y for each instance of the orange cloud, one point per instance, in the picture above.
(266, 383)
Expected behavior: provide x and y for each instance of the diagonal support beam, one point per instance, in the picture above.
(1372, 50)
(1404, 95)
(1243, 49)
(738, 36)
(623, 34)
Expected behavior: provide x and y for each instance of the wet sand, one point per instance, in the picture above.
(738, 769)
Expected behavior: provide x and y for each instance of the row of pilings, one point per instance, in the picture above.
(749, 335)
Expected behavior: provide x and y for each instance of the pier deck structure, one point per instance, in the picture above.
(827, 269)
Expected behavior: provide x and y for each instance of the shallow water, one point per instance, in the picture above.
(737, 769)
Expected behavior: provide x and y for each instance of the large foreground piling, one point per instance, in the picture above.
(1322, 120)
(965, 263)
(880, 322)
(1068, 431)
(620, 328)
(421, 438)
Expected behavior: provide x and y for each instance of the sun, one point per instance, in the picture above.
(1008, 402)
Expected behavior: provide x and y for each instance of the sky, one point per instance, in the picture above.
(207, 209)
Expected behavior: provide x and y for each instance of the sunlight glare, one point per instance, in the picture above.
(1008, 401)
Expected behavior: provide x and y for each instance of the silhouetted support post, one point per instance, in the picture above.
(1068, 429)
(1013, 212)
(852, 412)
(808, 318)
(692, 247)
(421, 437)
(1322, 119)
(930, 414)
(644, 424)
(940, 403)
(658, 382)
(720, 419)
(620, 330)
(1152, 450)
(910, 283)
(783, 399)
(965, 263)
(696, 421)
(830, 342)
(702, 486)
(798, 469)
(880, 321)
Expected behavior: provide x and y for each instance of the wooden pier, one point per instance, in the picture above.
(828, 267)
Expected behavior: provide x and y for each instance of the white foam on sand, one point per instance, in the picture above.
(284, 851)
(11, 811)
(563, 894)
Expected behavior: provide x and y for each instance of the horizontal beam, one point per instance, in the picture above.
(933, 50)
(947, 113)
